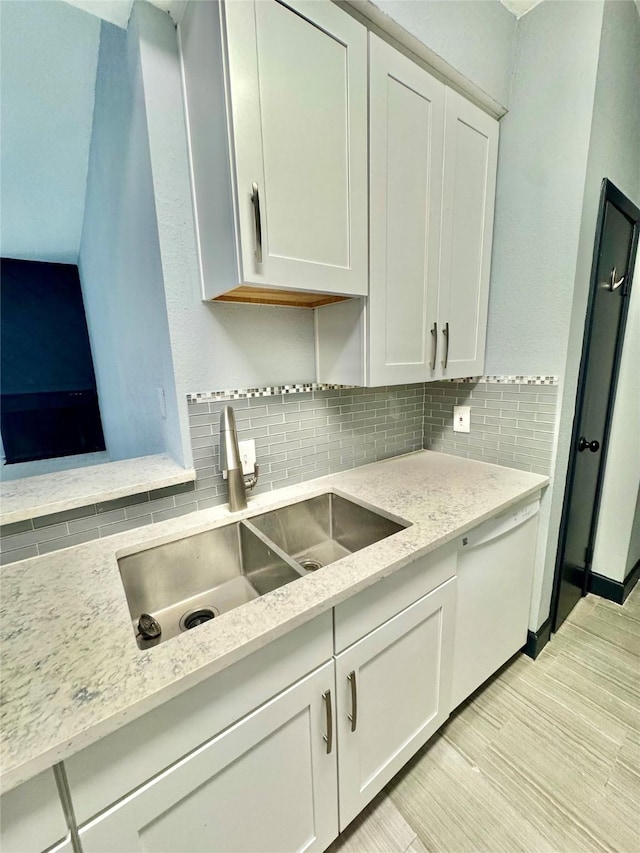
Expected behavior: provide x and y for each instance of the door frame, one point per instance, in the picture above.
(608, 193)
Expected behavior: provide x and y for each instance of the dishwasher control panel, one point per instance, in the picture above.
(495, 527)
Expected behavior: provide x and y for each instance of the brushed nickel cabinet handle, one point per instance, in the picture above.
(353, 716)
(434, 339)
(255, 201)
(445, 332)
(328, 738)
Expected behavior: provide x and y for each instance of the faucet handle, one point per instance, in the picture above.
(253, 478)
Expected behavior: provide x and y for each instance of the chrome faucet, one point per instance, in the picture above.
(230, 462)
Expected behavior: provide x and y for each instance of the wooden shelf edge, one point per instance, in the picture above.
(284, 298)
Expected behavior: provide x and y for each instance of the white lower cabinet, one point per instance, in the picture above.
(393, 693)
(32, 819)
(267, 783)
(263, 756)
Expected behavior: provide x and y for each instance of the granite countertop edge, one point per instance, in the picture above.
(45, 494)
(64, 688)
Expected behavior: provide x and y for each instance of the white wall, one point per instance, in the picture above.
(120, 265)
(214, 346)
(622, 479)
(48, 58)
(633, 554)
(615, 153)
(544, 147)
(476, 38)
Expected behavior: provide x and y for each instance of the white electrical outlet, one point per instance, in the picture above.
(462, 418)
(247, 455)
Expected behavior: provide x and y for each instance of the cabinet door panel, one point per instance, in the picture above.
(470, 156)
(264, 784)
(298, 90)
(402, 674)
(32, 816)
(406, 130)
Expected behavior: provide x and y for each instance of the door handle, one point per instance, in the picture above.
(445, 332)
(328, 738)
(255, 201)
(434, 338)
(583, 444)
(353, 716)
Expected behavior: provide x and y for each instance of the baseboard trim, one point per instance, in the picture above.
(616, 591)
(537, 640)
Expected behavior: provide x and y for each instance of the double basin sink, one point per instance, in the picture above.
(177, 586)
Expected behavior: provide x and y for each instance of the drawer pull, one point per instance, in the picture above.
(328, 738)
(445, 332)
(255, 201)
(353, 716)
(434, 334)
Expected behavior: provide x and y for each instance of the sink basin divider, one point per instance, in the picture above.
(276, 550)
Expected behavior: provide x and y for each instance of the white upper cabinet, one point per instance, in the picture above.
(283, 87)
(470, 159)
(432, 184)
(406, 125)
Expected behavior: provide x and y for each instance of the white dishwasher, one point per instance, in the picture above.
(495, 577)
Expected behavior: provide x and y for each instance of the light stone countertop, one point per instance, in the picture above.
(71, 669)
(31, 497)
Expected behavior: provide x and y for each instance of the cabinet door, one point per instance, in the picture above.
(470, 157)
(406, 137)
(298, 83)
(264, 784)
(393, 693)
(32, 816)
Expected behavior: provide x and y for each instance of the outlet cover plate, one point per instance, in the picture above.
(462, 418)
(248, 455)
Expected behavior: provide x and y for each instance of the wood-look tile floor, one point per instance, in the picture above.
(545, 758)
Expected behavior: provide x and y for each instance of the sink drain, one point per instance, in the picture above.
(310, 565)
(193, 618)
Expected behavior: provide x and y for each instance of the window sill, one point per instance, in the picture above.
(45, 494)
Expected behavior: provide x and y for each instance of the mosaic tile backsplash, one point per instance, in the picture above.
(306, 435)
(306, 431)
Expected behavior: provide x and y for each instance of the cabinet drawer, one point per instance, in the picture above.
(366, 611)
(115, 765)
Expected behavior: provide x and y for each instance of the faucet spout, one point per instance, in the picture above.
(230, 462)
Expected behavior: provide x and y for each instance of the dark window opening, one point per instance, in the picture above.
(47, 383)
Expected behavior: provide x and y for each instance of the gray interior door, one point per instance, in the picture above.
(604, 332)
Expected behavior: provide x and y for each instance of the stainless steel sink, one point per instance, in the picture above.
(192, 580)
(324, 529)
(176, 586)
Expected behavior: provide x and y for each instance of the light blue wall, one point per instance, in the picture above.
(120, 265)
(614, 152)
(476, 38)
(542, 161)
(214, 346)
(48, 57)
(542, 166)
